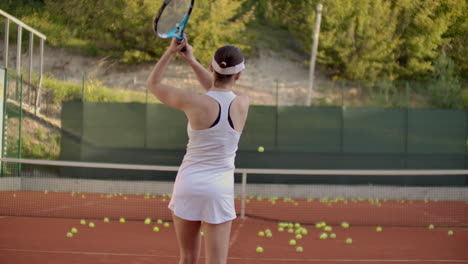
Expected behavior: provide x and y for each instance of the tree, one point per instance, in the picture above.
(217, 23)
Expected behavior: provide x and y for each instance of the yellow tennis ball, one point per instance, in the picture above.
(83, 222)
(328, 228)
(292, 242)
(159, 222)
(299, 249)
(156, 229)
(261, 149)
(259, 250)
(450, 233)
(323, 236)
(69, 235)
(333, 235)
(74, 230)
(106, 220)
(122, 220)
(349, 240)
(202, 233)
(147, 221)
(280, 229)
(345, 225)
(290, 230)
(431, 226)
(166, 224)
(91, 225)
(304, 231)
(378, 229)
(261, 234)
(298, 236)
(269, 235)
(297, 225)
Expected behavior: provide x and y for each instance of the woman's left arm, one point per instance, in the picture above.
(167, 94)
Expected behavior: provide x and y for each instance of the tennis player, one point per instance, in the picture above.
(204, 186)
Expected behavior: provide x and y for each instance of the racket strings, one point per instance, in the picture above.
(173, 16)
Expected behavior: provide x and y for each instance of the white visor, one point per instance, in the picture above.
(229, 70)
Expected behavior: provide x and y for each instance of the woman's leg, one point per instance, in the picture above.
(189, 239)
(217, 242)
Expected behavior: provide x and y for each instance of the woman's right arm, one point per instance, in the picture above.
(203, 75)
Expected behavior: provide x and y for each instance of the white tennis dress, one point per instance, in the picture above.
(204, 186)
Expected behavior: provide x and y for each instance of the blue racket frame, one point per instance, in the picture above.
(177, 32)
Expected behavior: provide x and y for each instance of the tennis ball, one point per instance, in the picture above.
(267, 230)
(431, 226)
(292, 242)
(261, 234)
(91, 225)
(304, 231)
(290, 225)
(318, 225)
(450, 233)
(83, 222)
(166, 224)
(14, 195)
(106, 220)
(156, 229)
(328, 228)
(74, 230)
(349, 241)
(261, 149)
(269, 235)
(299, 249)
(159, 222)
(345, 225)
(69, 235)
(259, 250)
(333, 235)
(297, 225)
(147, 221)
(202, 233)
(46, 192)
(122, 220)
(378, 229)
(298, 236)
(323, 236)
(280, 229)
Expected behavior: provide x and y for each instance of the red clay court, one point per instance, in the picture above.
(41, 236)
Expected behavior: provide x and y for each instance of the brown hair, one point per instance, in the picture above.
(227, 56)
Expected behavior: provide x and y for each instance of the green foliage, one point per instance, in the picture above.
(444, 88)
(218, 23)
(46, 149)
(123, 29)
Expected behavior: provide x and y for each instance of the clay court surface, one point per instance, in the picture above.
(41, 237)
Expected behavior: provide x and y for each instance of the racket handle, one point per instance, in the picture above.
(180, 41)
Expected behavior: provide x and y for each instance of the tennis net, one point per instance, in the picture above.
(43, 188)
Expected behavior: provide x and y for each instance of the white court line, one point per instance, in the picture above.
(238, 258)
(236, 232)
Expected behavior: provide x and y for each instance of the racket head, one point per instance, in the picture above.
(172, 18)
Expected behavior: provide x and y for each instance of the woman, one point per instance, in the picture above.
(204, 186)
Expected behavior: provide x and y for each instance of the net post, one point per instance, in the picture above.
(5, 42)
(244, 193)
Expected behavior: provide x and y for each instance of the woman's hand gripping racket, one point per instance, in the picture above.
(172, 19)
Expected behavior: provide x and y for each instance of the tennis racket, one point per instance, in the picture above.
(172, 19)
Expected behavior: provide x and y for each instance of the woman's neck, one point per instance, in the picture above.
(226, 88)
